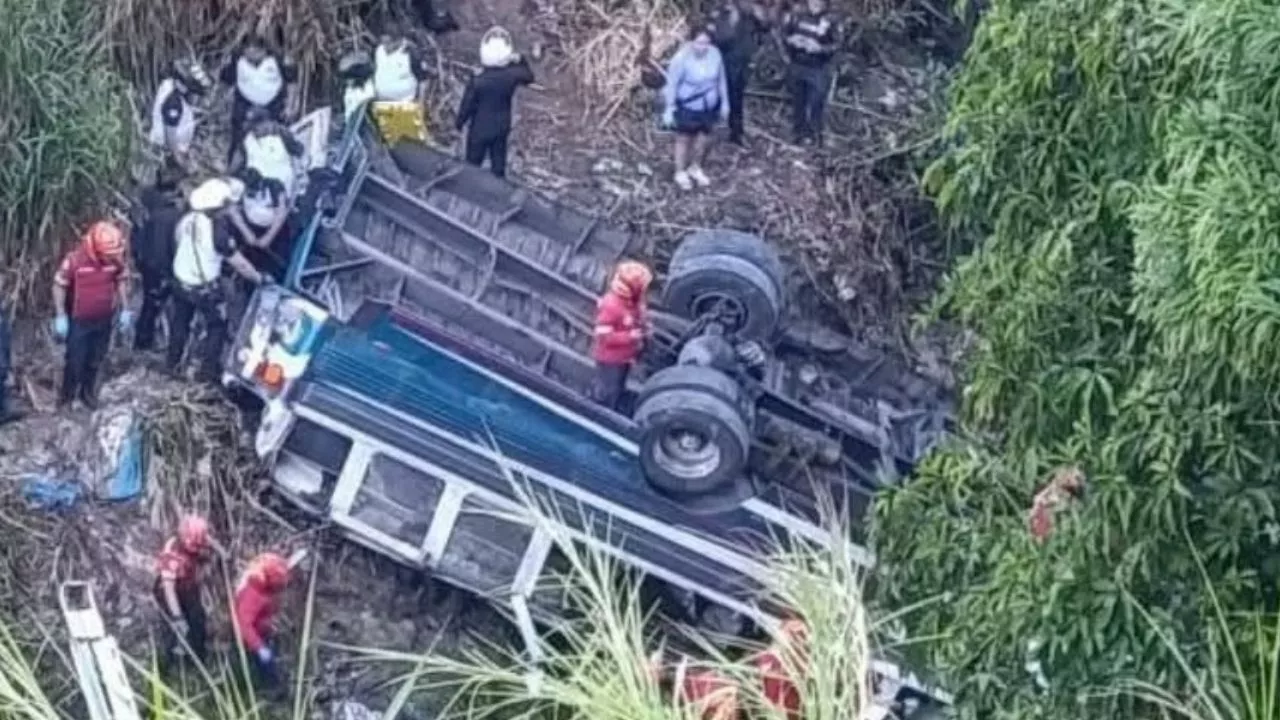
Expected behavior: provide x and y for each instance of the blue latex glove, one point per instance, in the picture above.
(61, 326)
(669, 117)
(265, 656)
(125, 320)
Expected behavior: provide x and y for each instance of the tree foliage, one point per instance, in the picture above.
(1115, 162)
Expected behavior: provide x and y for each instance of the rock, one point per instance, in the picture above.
(352, 710)
(607, 165)
(644, 170)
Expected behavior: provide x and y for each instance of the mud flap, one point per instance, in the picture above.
(277, 422)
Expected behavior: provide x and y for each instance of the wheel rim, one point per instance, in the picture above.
(687, 453)
(724, 308)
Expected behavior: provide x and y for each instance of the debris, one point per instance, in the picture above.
(45, 493)
(352, 710)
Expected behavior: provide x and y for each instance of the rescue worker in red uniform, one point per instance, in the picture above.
(718, 698)
(620, 329)
(255, 609)
(91, 285)
(778, 663)
(177, 589)
(706, 689)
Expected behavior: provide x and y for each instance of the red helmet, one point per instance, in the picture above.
(193, 533)
(269, 571)
(630, 279)
(104, 240)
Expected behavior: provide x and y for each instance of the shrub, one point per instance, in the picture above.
(1114, 161)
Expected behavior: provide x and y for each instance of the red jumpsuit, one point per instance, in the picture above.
(255, 609)
(620, 322)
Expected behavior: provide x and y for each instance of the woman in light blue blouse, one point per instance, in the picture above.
(697, 98)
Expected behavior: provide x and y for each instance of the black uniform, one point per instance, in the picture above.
(152, 245)
(486, 107)
(735, 31)
(209, 302)
(240, 105)
(265, 192)
(810, 71)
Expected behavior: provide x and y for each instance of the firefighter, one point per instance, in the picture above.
(704, 689)
(152, 246)
(811, 41)
(777, 665)
(261, 80)
(486, 105)
(256, 599)
(90, 288)
(717, 696)
(399, 90)
(620, 328)
(177, 589)
(204, 244)
(173, 113)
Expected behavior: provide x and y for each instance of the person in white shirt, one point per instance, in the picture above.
(271, 150)
(203, 244)
(173, 111)
(356, 72)
(399, 90)
(262, 80)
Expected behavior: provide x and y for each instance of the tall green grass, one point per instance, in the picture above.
(65, 131)
(1245, 682)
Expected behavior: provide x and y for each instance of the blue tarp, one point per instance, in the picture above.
(46, 493)
(126, 484)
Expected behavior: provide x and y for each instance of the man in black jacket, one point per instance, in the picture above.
(152, 244)
(735, 27)
(486, 109)
(811, 40)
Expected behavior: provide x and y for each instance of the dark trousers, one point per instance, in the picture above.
(240, 119)
(87, 345)
(4, 393)
(197, 626)
(155, 294)
(809, 88)
(494, 148)
(611, 382)
(206, 302)
(263, 677)
(736, 72)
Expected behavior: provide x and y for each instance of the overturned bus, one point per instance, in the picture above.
(431, 342)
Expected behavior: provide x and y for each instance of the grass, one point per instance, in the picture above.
(1246, 683)
(65, 133)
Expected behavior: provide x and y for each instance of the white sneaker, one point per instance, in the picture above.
(699, 177)
(683, 180)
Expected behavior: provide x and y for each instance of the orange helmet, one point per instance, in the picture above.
(193, 533)
(104, 240)
(269, 571)
(630, 279)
